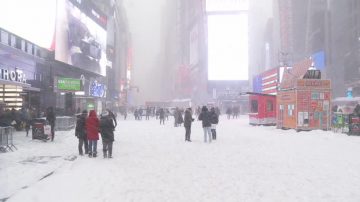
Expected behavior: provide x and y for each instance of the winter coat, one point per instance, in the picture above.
(80, 129)
(107, 128)
(205, 117)
(92, 126)
(188, 119)
(214, 118)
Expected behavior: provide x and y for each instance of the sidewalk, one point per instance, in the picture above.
(34, 160)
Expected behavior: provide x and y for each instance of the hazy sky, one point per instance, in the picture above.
(145, 23)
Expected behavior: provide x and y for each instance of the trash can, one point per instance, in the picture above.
(38, 129)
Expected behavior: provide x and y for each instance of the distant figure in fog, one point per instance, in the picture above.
(180, 118)
(228, 112)
(125, 114)
(147, 113)
(162, 116)
(51, 118)
(107, 134)
(136, 114)
(92, 131)
(188, 119)
(80, 132)
(206, 124)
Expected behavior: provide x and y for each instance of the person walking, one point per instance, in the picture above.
(206, 124)
(188, 119)
(107, 134)
(214, 119)
(162, 116)
(228, 112)
(92, 132)
(80, 132)
(51, 118)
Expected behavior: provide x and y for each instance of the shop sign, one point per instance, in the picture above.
(12, 75)
(69, 84)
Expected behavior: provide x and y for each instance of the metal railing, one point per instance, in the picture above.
(65, 123)
(6, 139)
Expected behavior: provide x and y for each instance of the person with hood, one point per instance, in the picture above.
(80, 132)
(107, 133)
(51, 118)
(205, 118)
(214, 119)
(112, 116)
(188, 119)
(92, 132)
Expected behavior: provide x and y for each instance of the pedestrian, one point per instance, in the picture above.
(51, 118)
(136, 114)
(80, 132)
(214, 119)
(162, 116)
(180, 118)
(176, 117)
(188, 119)
(228, 112)
(107, 134)
(92, 133)
(147, 113)
(206, 124)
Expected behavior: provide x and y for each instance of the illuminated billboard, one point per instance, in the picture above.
(228, 47)
(81, 36)
(32, 20)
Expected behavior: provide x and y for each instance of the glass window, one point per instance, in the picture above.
(269, 106)
(254, 106)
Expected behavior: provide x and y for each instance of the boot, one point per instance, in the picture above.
(94, 155)
(90, 154)
(105, 155)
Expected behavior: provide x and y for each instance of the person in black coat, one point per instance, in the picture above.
(205, 118)
(188, 119)
(80, 132)
(51, 118)
(107, 134)
(214, 119)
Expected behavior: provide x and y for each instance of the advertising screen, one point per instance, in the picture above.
(228, 47)
(69, 84)
(81, 36)
(32, 20)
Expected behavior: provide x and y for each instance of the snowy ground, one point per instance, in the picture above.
(153, 163)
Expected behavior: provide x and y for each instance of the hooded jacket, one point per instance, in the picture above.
(107, 128)
(80, 129)
(92, 126)
(205, 117)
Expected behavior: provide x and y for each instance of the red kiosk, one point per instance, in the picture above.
(262, 109)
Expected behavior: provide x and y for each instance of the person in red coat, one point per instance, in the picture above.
(92, 131)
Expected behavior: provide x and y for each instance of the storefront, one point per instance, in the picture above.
(76, 90)
(21, 79)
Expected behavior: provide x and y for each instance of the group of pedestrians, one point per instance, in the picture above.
(87, 131)
(209, 119)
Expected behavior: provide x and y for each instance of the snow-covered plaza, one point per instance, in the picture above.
(152, 162)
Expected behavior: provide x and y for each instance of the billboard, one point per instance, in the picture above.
(228, 47)
(69, 84)
(32, 20)
(81, 36)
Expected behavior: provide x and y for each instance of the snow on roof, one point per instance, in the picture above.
(297, 72)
